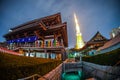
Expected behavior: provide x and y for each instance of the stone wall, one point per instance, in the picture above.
(101, 72)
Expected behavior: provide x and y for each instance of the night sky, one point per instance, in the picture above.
(93, 15)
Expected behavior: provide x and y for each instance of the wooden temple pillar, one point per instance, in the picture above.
(26, 35)
(62, 54)
(35, 54)
(29, 52)
(56, 37)
(46, 54)
(39, 37)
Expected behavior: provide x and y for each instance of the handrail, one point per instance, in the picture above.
(103, 71)
(5, 50)
(111, 69)
(68, 66)
(55, 74)
(33, 77)
(33, 47)
(107, 72)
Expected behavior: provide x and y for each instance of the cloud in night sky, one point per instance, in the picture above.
(93, 15)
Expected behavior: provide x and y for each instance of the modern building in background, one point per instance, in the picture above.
(115, 32)
(45, 37)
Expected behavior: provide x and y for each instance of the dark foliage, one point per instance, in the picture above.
(109, 58)
(13, 67)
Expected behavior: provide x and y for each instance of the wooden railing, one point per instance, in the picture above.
(33, 77)
(55, 74)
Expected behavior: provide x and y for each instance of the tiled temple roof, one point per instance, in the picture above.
(110, 43)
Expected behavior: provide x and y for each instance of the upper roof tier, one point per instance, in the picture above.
(44, 20)
(50, 25)
(97, 40)
(98, 37)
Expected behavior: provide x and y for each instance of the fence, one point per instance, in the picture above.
(5, 50)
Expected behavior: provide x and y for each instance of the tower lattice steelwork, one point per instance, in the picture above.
(79, 39)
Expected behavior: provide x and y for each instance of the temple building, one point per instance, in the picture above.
(94, 43)
(45, 37)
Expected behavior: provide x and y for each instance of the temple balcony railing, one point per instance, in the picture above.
(37, 44)
(33, 46)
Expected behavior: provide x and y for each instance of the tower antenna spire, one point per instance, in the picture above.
(79, 39)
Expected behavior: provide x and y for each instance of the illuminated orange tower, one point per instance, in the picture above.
(79, 39)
